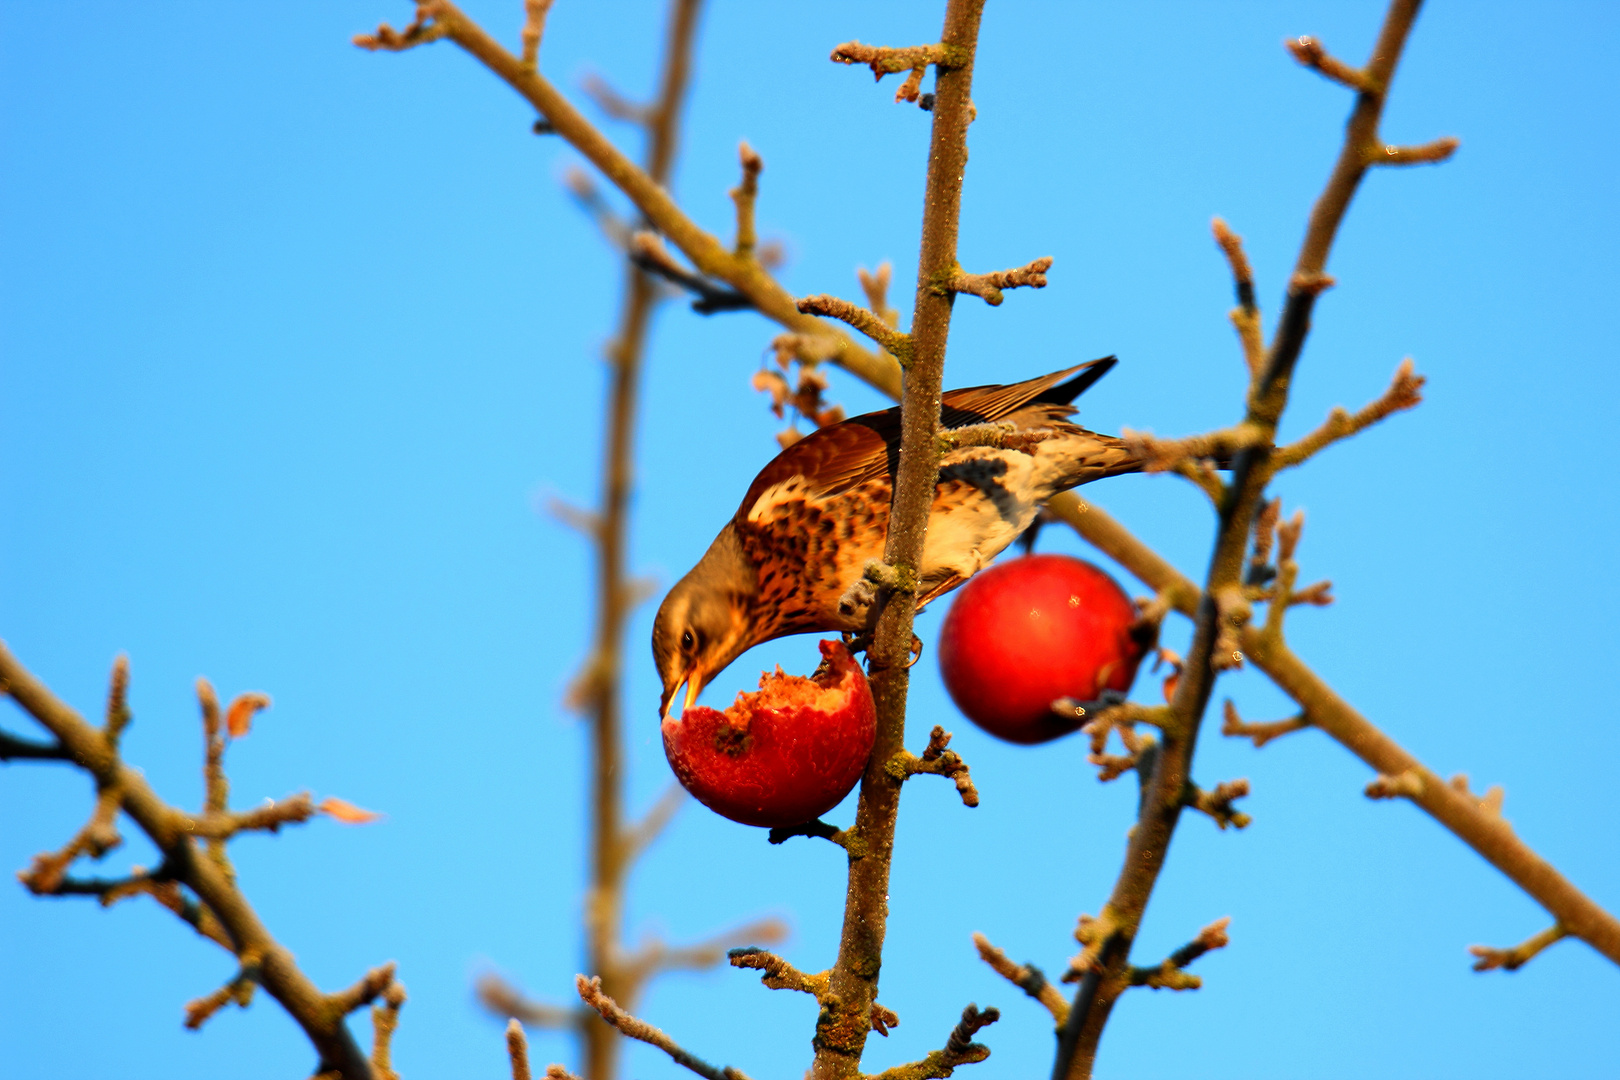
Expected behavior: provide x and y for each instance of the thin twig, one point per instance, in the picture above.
(988, 286)
(1262, 733)
(1246, 316)
(1489, 959)
(1027, 977)
(744, 195)
(501, 998)
(960, 1049)
(778, 974)
(590, 992)
(893, 341)
(517, 1050)
(1405, 392)
(937, 760)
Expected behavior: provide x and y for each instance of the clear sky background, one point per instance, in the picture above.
(293, 337)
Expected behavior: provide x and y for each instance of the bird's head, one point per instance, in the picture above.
(703, 624)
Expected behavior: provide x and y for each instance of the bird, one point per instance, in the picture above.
(793, 558)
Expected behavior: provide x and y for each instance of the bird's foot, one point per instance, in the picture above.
(856, 603)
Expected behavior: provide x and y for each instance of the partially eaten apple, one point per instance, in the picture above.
(783, 754)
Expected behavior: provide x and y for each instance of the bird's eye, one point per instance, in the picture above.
(688, 641)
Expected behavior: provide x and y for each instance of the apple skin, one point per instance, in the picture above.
(784, 754)
(1026, 632)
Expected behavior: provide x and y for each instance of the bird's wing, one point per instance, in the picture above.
(982, 404)
(829, 461)
(841, 456)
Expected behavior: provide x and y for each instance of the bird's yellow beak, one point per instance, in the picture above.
(693, 681)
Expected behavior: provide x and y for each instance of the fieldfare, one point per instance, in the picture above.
(788, 562)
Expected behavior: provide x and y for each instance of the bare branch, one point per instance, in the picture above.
(1218, 803)
(1430, 153)
(1260, 733)
(875, 284)
(370, 986)
(643, 833)
(960, 1049)
(781, 834)
(1489, 959)
(239, 990)
(269, 817)
(13, 748)
(648, 252)
(1309, 51)
(420, 32)
(778, 974)
(1405, 392)
(655, 956)
(745, 195)
(895, 343)
(885, 61)
(503, 999)
(384, 1022)
(1171, 973)
(1246, 316)
(590, 992)
(98, 836)
(989, 286)
(615, 104)
(517, 1050)
(645, 188)
(1027, 977)
(534, 27)
(936, 760)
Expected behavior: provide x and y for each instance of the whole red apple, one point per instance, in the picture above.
(1024, 633)
(784, 754)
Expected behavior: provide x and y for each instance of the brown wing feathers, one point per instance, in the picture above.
(837, 458)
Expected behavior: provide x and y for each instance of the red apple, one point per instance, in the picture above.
(1026, 632)
(784, 754)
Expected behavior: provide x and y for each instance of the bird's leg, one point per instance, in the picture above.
(857, 641)
(916, 651)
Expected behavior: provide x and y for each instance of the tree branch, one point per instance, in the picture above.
(960, 1049)
(1246, 316)
(841, 1032)
(1220, 618)
(1405, 392)
(221, 901)
(936, 760)
(440, 18)
(1027, 977)
(590, 992)
(897, 344)
(1489, 959)
(989, 286)
(1468, 818)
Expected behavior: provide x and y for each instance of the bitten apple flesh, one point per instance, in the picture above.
(1027, 632)
(781, 755)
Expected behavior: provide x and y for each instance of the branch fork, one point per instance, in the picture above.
(989, 286)
(885, 60)
(1171, 973)
(936, 760)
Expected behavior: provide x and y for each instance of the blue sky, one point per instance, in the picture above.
(293, 338)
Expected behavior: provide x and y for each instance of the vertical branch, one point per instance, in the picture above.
(842, 1028)
(1107, 976)
(609, 843)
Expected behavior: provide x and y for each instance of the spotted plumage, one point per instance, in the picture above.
(815, 516)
